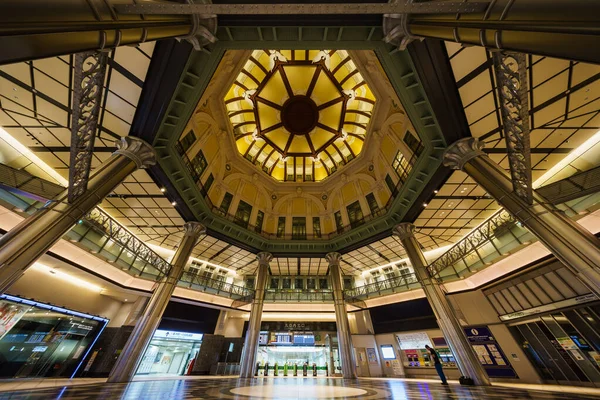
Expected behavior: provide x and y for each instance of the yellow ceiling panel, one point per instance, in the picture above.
(320, 172)
(299, 145)
(278, 172)
(279, 137)
(274, 90)
(242, 145)
(324, 90)
(356, 146)
(268, 115)
(299, 77)
(294, 76)
(331, 115)
(320, 136)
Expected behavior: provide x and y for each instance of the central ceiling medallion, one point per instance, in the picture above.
(299, 114)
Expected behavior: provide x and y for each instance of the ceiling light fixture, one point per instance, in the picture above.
(572, 156)
(173, 203)
(32, 157)
(163, 189)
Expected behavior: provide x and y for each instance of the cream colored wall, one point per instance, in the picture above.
(367, 341)
(38, 285)
(230, 324)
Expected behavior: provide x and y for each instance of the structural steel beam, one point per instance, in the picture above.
(90, 70)
(31, 29)
(560, 28)
(511, 82)
(433, 7)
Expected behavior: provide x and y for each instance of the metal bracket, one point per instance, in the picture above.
(203, 30)
(395, 29)
(511, 81)
(90, 69)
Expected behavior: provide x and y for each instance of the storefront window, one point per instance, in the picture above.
(39, 340)
(170, 353)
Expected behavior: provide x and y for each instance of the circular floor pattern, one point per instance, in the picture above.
(299, 391)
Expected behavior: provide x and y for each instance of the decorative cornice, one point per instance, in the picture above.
(404, 230)
(460, 152)
(137, 150)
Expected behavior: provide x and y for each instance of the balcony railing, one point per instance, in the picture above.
(396, 284)
(299, 296)
(274, 236)
(215, 286)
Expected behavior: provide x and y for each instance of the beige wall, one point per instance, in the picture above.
(360, 323)
(45, 288)
(367, 341)
(230, 324)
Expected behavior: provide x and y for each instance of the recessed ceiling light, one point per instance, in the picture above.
(424, 204)
(173, 203)
(125, 299)
(436, 191)
(163, 190)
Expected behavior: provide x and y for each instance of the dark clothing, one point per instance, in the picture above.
(440, 371)
(435, 357)
(437, 362)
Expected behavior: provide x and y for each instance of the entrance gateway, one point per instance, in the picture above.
(170, 353)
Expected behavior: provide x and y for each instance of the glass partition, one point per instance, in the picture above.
(40, 340)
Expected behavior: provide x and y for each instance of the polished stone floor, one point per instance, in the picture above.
(285, 388)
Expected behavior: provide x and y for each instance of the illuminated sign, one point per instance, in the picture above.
(162, 334)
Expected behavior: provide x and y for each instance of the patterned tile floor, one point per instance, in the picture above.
(280, 388)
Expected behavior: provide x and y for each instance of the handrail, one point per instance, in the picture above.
(231, 290)
(296, 295)
(394, 284)
(120, 234)
(500, 222)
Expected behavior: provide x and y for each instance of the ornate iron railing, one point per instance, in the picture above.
(129, 242)
(497, 224)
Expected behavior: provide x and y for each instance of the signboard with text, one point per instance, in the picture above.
(489, 353)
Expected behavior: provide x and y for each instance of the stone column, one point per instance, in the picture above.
(467, 360)
(251, 343)
(30, 239)
(572, 244)
(341, 317)
(134, 349)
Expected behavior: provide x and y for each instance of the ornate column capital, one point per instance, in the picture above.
(264, 258)
(461, 151)
(137, 150)
(194, 229)
(404, 230)
(333, 258)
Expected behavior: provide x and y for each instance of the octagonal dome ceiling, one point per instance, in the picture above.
(299, 114)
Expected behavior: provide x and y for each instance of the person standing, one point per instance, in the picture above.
(437, 362)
